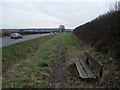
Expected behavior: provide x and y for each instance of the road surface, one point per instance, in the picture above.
(8, 41)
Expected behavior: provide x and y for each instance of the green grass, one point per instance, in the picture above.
(69, 40)
(36, 70)
(17, 52)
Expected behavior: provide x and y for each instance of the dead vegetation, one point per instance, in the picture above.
(103, 33)
(111, 73)
(101, 37)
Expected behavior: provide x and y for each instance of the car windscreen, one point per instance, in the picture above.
(14, 34)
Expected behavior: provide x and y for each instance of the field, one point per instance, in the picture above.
(37, 61)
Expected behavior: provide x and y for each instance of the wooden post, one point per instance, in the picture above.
(87, 61)
(101, 72)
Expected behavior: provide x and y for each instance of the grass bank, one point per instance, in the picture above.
(110, 78)
(16, 53)
(36, 70)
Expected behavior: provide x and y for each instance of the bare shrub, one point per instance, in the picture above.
(103, 33)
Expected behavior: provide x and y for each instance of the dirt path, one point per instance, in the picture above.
(58, 78)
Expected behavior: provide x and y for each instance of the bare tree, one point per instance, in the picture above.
(115, 6)
(119, 6)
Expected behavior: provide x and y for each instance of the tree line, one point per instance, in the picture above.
(103, 33)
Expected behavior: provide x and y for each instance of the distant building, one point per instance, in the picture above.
(62, 28)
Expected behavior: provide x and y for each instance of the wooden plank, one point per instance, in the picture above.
(80, 69)
(95, 63)
(87, 70)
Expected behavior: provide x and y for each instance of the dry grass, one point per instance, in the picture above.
(111, 72)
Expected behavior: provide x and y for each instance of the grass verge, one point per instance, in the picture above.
(16, 53)
(35, 70)
(110, 78)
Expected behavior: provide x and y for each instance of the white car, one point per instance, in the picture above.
(15, 36)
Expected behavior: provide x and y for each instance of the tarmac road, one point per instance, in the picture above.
(8, 41)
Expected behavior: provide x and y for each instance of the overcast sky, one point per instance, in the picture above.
(51, 14)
